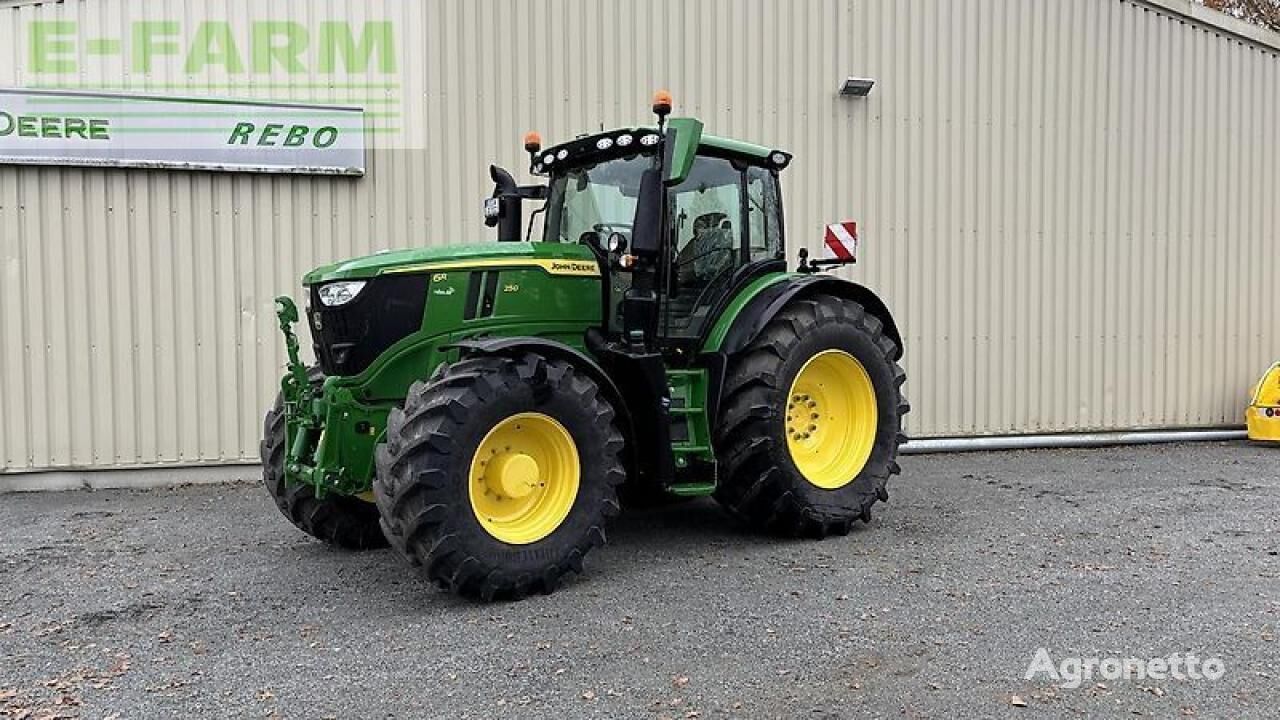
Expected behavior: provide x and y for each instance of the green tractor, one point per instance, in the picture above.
(481, 407)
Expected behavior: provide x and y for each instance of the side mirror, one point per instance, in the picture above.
(646, 227)
(502, 209)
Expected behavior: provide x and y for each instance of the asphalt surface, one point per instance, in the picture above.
(203, 602)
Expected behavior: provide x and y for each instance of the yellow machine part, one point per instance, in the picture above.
(524, 478)
(1263, 414)
(831, 419)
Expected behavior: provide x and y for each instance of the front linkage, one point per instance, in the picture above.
(296, 386)
(306, 408)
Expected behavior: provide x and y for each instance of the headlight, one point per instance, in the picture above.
(340, 293)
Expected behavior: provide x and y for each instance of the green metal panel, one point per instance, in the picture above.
(422, 258)
(689, 407)
(736, 146)
(684, 134)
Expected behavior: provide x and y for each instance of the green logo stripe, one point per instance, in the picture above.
(245, 85)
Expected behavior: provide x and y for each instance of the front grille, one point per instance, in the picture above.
(347, 339)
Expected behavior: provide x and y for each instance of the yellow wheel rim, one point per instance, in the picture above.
(524, 478)
(831, 419)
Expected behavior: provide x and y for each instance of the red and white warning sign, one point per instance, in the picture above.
(842, 241)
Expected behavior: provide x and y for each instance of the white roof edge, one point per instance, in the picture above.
(1197, 13)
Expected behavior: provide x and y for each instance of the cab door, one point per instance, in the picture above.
(723, 219)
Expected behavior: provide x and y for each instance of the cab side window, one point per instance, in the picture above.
(706, 217)
(764, 213)
(723, 216)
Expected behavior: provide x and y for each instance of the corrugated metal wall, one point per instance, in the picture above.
(1071, 206)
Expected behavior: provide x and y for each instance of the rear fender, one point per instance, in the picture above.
(767, 302)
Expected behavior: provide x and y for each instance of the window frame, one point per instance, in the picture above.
(742, 165)
(772, 174)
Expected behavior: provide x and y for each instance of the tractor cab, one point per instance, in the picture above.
(711, 224)
(719, 222)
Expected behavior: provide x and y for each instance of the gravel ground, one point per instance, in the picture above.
(203, 602)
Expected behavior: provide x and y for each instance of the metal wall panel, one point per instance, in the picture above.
(1070, 206)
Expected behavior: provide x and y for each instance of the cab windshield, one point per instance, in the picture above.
(599, 199)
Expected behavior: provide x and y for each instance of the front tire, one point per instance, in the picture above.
(499, 475)
(341, 521)
(812, 420)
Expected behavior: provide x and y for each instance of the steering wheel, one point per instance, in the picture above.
(612, 227)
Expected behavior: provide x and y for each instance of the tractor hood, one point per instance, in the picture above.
(454, 257)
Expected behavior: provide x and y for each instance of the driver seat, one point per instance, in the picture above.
(698, 263)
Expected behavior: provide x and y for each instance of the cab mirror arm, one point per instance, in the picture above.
(504, 208)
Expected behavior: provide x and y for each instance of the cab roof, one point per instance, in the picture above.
(586, 148)
(737, 147)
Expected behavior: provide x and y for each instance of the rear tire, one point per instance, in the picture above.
(341, 521)
(762, 482)
(432, 501)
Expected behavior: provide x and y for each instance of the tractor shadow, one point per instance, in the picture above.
(695, 523)
(694, 520)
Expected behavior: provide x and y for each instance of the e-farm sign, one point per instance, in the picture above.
(41, 127)
(244, 48)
